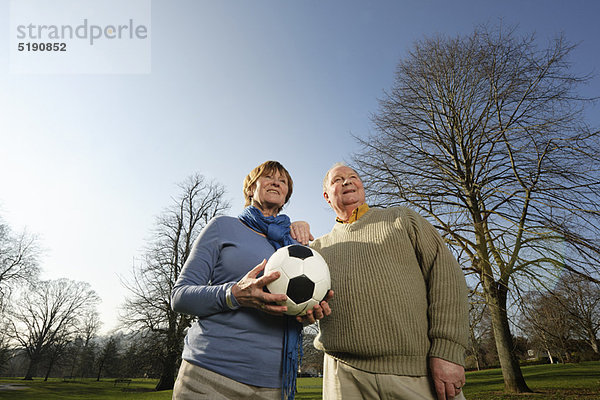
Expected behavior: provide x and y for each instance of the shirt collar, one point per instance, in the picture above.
(356, 214)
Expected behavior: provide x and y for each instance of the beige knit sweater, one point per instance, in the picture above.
(400, 296)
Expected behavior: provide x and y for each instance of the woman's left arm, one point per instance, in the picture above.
(193, 293)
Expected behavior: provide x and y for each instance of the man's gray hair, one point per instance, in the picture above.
(337, 164)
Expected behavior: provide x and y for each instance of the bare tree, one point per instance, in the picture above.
(545, 320)
(81, 351)
(87, 358)
(18, 259)
(48, 314)
(580, 300)
(108, 358)
(55, 353)
(90, 326)
(485, 135)
(149, 305)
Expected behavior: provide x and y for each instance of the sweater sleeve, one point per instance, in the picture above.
(194, 293)
(446, 291)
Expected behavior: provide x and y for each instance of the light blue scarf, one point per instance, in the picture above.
(277, 230)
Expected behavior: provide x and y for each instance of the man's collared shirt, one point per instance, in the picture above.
(356, 214)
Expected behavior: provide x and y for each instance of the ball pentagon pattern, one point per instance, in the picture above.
(300, 289)
(304, 277)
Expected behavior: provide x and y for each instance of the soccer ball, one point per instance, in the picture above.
(304, 277)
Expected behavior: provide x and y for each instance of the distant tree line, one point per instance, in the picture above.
(102, 357)
(560, 325)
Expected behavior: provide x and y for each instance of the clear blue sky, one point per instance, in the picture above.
(87, 161)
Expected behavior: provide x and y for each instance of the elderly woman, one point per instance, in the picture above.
(237, 347)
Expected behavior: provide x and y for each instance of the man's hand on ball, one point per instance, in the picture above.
(300, 231)
(249, 292)
(318, 312)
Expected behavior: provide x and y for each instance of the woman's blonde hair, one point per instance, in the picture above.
(264, 169)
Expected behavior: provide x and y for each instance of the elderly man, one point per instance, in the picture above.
(399, 324)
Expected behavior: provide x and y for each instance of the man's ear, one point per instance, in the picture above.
(326, 196)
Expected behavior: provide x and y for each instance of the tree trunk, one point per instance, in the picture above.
(593, 341)
(167, 375)
(594, 344)
(567, 356)
(100, 366)
(550, 356)
(475, 349)
(32, 368)
(511, 370)
(173, 348)
(49, 370)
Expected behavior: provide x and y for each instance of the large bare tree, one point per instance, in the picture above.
(485, 135)
(18, 259)
(49, 314)
(148, 306)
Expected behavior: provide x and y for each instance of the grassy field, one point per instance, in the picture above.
(556, 382)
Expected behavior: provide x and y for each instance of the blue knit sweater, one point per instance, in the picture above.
(244, 344)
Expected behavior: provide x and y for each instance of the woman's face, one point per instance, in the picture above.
(270, 191)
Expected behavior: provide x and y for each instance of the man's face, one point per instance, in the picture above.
(345, 190)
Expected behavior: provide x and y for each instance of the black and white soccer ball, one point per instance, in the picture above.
(304, 277)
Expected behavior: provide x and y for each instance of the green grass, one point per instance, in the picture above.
(82, 389)
(309, 388)
(555, 382)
